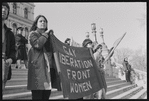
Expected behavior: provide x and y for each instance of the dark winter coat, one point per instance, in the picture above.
(38, 73)
(21, 48)
(126, 66)
(10, 44)
(10, 48)
(99, 59)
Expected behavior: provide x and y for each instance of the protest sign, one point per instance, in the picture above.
(77, 69)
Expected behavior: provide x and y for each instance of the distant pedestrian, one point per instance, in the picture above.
(127, 69)
(21, 49)
(39, 60)
(8, 46)
(101, 94)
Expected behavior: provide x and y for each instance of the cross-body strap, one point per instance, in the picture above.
(4, 49)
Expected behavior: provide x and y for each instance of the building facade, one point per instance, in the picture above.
(21, 15)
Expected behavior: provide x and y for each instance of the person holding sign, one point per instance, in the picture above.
(39, 60)
(97, 55)
(101, 94)
(88, 44)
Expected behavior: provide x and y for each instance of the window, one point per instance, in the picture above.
(26, 13)
(14, 8)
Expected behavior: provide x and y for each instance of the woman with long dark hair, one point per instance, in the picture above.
(39, 60)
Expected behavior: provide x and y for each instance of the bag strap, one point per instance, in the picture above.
(4, 49)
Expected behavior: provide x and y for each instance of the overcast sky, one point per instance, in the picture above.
(73, 19)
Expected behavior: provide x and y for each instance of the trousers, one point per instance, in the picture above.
(41, 94)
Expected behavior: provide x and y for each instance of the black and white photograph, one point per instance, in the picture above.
(74, 50)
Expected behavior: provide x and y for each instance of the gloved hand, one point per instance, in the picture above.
(51, 32)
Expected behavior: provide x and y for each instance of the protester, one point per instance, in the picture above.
(101, 94)
(127, 68)
(39, 60)
(21, 53)
(8, 47)
(67, 41)
(89, 44)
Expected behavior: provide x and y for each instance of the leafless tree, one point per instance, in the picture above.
(137, 58)
(120, 54)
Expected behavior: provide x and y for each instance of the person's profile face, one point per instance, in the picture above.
(89, 45)
(4, 12)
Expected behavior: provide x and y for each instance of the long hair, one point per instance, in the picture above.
(34, 26)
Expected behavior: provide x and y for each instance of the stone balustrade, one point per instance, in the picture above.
(140, 76)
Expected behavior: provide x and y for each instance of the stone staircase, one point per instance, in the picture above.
(117, 89)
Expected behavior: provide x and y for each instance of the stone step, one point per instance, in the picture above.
(114, 82)
(20, 74)
(130, 92)
(138, 95)
(119, 91)
(15, 85)
(17, 77)
(112, 79)
(143, 94)
(145, 97)
(23, 95)
(20, 82)
(15, 89)
(117, 86)
(18, 70)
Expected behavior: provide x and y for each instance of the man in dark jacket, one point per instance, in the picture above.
(21, 42)
(127, 68)
(8, 46)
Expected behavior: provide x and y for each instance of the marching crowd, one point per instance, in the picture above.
(42, 76)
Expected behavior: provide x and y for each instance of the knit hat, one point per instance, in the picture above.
(6, 4)
(67, 40)
(96, 47)
(21, 28)
(86, 41)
